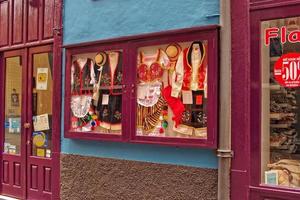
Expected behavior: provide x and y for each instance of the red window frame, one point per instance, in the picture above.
(259, 190)
(87, 49)
(129, 45)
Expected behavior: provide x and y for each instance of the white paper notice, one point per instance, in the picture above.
(105, 99)
(187, 97)
(41, 122)
(42, 79)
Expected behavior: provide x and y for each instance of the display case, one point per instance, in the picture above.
(156, 88)
(176, 90)
(95, 77)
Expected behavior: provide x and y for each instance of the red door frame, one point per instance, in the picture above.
(245, 169)
(40, 163)
(8, 188)
(26, 60)
(56, 123)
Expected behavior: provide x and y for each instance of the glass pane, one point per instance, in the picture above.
(172, 90)
(280, 158)
(13, 105)
(42, 104)
(96, 92)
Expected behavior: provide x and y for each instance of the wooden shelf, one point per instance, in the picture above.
(281, 115)
(274, 87)
(286, 125)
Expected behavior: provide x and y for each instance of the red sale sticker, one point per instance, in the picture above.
(287, 70)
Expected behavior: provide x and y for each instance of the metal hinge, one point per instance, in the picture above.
(225, 153)
(57, 31)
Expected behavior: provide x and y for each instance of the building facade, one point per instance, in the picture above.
(150, 99)
(131, 168)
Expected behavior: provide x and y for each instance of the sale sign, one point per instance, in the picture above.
(287, 70)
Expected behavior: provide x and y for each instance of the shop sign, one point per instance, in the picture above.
(283, 33)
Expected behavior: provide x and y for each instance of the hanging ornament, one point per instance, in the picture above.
(164, 124)
(98, 122)
(93, 123)
(161, 118)
(161, 130)
(89, 117)
(74, 121)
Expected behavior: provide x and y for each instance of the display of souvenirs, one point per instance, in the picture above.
(172, 90)
(96, 92)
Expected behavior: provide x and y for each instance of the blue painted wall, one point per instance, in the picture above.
(89, 20)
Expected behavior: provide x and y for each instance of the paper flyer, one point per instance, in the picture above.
(41, 122)
(42, 79)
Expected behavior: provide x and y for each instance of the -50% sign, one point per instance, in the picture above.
(287, 70)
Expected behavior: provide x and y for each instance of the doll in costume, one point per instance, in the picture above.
(110, 81)
(151, 69)
(83, 76)
(82, 80)
(190, 76)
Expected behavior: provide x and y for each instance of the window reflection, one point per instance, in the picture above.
(42, 106)
(280, 111)
(13, 105)
(172, 90)
(96, 92)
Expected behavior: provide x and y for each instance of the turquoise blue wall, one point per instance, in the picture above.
(89, 20)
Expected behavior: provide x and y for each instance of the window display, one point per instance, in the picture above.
(96, 92)
(280, 104)
(172, 90)
(147, 89)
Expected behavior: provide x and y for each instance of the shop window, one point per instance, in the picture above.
(96, 92)
(280, 127)
(172, 90)
(152, 89)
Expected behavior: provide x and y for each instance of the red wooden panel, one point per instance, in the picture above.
(33, 20)
(4, 13)
(5, 172)
(48, 19)
(47, 179)
(272, 199)
(17, 174)
(34, 177)
(17, 21)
